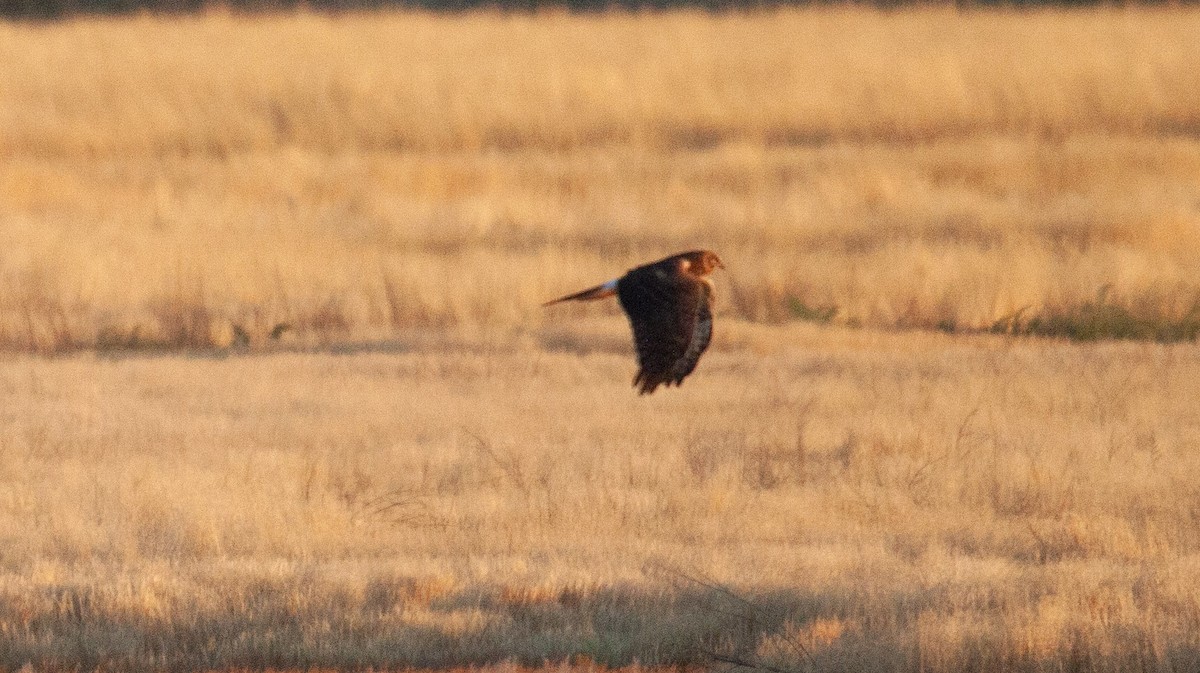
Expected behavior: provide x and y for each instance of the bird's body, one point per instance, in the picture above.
(669, 305)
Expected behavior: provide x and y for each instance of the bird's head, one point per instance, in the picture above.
(702, 262)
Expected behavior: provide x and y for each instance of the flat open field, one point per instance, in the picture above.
(884, 502)
(167, 180)
(426, 469)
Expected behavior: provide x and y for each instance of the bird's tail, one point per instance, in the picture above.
(599, 292)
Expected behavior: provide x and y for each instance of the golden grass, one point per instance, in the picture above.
(200, 181)
(220, 84)
(889, 502)
(381, 453)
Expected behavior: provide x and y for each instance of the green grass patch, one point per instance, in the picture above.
(1107, 317)
(800, 310)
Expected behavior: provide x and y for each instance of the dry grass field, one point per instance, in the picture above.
(165, 180)
(814, 499)
(428, 470)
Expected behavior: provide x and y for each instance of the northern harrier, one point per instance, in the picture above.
(669, 304)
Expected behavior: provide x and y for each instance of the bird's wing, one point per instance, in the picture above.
(701, 336)
(664, 308)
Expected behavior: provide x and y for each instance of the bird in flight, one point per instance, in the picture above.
(669, 304)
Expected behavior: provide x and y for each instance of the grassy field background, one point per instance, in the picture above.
(168, 180)
(427, 469)
(813, 498)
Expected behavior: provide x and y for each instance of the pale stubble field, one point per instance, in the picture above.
(891, 502)
(427, 469)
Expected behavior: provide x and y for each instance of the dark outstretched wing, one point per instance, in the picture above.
(664, 306)
(701, 336)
